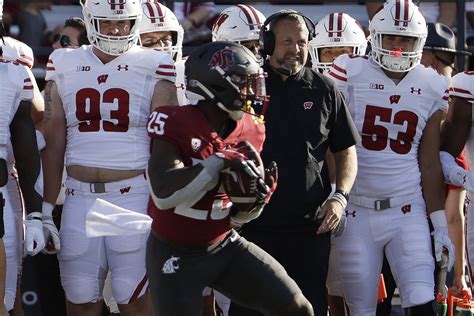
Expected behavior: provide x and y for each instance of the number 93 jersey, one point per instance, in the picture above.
(16, 86)
(462, 86)
(107, 105)
(390, 118)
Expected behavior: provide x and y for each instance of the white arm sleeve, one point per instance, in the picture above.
(210, 172)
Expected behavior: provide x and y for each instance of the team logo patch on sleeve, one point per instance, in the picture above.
(195, 144)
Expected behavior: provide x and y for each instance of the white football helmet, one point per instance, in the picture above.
(95, 11)
(158, 18)
(402, 18)
(336, 30)
(238, 23)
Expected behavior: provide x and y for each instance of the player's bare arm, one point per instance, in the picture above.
(456, 127)
(455, 218)
(430, 166)
(346, 171)
(27, 159)
(55, 134)
(164, 94)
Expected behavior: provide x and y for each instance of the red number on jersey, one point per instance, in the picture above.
(375, 137)
(88, 102)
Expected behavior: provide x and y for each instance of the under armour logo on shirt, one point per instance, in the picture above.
(352, 213)
(413, 90)
(171, 265)
(124, 67)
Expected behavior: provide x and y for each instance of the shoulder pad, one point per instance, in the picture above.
(462, 85)
(18, 51)
(346, 66)
(439, 84)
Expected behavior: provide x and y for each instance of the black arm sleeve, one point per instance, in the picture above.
(27, 159)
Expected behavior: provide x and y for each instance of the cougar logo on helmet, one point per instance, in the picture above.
(228, 75)
(223, 58)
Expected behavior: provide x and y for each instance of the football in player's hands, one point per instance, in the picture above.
(243, 182)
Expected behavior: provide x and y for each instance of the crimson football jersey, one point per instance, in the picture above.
(204, 218)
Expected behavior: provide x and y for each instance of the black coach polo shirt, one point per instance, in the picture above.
(306, 116)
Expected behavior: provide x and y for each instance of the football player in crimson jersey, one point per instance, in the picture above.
(192, 244)
(100, 96)
(397, 106)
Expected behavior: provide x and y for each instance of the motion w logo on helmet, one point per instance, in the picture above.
(401, 8)
(223, 58)
(117, 4)
(219, 21)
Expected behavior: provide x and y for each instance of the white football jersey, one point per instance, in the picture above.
(15, 86)
(107, 105)
(390, 119)
(18, 51)
(181, 83)
(462, 86)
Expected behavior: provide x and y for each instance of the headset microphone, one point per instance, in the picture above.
(284, 71)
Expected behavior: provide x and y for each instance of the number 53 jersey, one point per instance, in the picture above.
(107, 105)
(391, 117)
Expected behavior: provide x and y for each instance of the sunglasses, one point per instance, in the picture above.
(64, 40)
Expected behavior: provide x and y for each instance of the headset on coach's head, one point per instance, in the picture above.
(267, 37)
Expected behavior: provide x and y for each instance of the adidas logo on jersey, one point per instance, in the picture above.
(171, 265)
